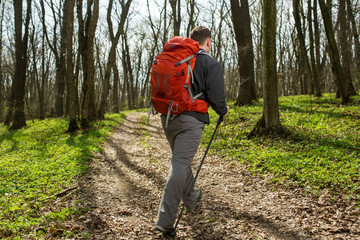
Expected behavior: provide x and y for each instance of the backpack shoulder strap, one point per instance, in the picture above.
(201, 51)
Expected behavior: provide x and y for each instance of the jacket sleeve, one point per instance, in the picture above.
(215, 89)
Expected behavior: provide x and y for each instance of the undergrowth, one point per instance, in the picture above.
(322, 151)
(38, 162)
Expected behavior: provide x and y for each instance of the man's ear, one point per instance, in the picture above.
(208, 42)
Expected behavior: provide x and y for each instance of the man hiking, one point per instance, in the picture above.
(184, 132)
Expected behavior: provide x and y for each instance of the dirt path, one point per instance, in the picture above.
(124, 188)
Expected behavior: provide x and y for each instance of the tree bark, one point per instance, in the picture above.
(128, 73)
(345, 49)
(155, 39)
(68, 15)
(1, 51)
(269, 123)
(303, 52)
(44, 74)
(335, 57)
(312, 53)
(87, 29)
(59, 57)
(317, 42)
(176, 15)
(356, 36)
(36, 75)
(125, 65)
(112, 54)
(115, 97)
(191, 12)
(242, 28)
(21, 62)
(165, 33)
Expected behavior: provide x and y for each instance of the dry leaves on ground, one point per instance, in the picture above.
(124, 187)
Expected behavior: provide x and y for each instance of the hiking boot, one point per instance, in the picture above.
(166, 231)
(198, 193)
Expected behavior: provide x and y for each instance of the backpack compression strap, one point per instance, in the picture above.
(189, 73)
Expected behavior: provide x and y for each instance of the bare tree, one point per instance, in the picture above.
(319, 67)
(335, 57)
(303, 52)
(58, 53)
(312, 53)
(87, 27)
(68, 15)
(355, 32)
(45, 62)
(345, 49)
(128, 72)
(176, 16)
(242, 28)
(165, 17)
(1, 55)
(269, 122)
(112, 54)
(35, 74)
(191, 5)
(21, 45)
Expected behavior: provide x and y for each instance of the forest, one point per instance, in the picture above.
(85, 59)
(74, 97)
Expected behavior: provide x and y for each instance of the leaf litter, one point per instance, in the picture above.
(122, 191)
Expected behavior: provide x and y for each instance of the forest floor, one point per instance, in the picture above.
(124, 186)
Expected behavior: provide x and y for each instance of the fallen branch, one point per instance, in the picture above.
(62, 193)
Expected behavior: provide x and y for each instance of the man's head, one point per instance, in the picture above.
(203, 36)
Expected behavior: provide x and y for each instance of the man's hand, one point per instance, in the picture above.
(227, 111)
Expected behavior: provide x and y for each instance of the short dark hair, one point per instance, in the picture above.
(200, 34)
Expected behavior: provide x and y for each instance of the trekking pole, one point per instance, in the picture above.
(221, 118)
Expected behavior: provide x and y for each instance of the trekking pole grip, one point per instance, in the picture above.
(221, 118)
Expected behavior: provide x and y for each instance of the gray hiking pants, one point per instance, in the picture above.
(183, 134)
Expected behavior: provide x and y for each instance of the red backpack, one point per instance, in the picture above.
(171, 78)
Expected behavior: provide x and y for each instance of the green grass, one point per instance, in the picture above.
(322, 152)
(38, 162)
(41, 160)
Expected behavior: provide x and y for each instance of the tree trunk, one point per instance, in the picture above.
(165, 33)
(335, 57)
(317, 42)
(127, 87)
(345, 49)
(87, 29)
(303, 52)
(135, 88)
(312, 53)
(1, 50)
(356, 36)
(269, 123)
(59, 79)
(41, 87)
(76, 76)
(176, 15)
(130, 75)
(219, 35)
(155, 37)
(116, 106)
(71, 86)
(191, 12)
(36, 75)
(21, 62)
(242, 28)
(60, 85)
(111, 60)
